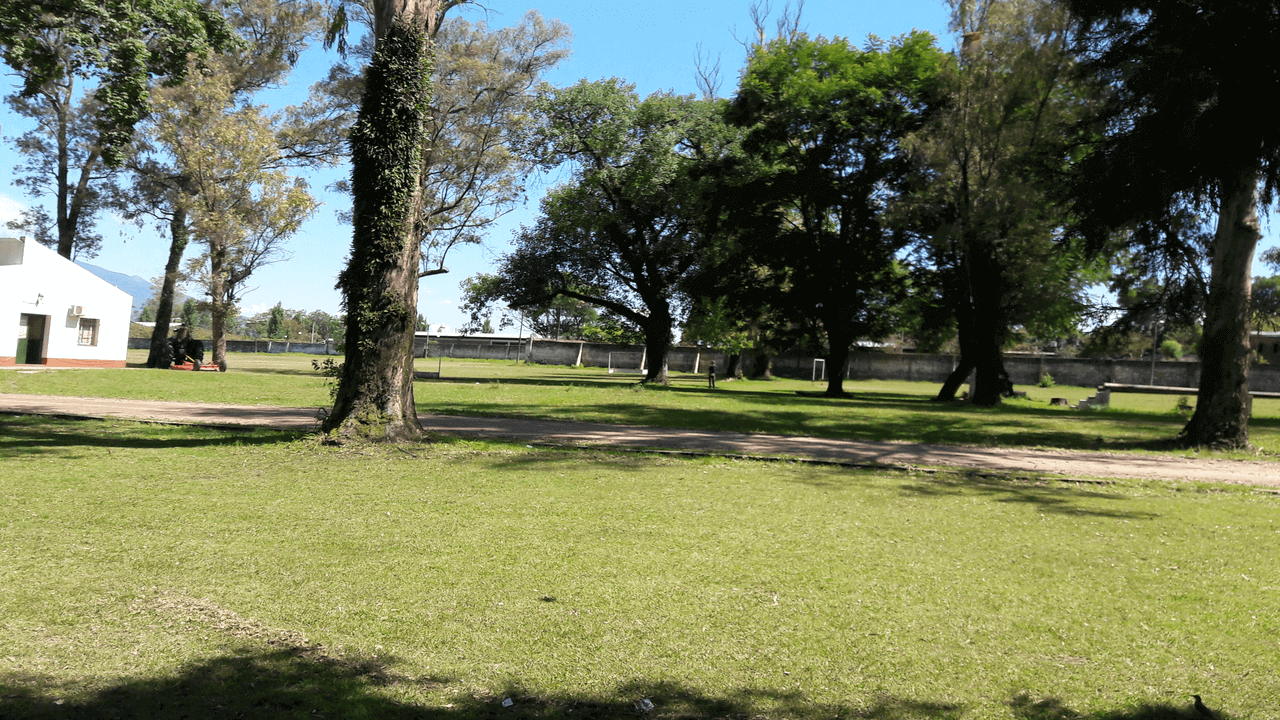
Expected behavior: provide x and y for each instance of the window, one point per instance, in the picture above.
(88, 331)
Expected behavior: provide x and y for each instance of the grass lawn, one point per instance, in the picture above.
(161, 572)
(898, 411)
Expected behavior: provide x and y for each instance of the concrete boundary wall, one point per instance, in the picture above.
(1023, 369)
(254, 346)
(1027, 370)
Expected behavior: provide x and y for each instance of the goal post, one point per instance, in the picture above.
(819, 369)
(626, 362)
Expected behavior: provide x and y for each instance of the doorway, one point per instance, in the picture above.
(31, 339)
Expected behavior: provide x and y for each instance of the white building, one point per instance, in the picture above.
(54, 312)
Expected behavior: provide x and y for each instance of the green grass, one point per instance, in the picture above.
(257, 379)
(894, 411)
(164, 572)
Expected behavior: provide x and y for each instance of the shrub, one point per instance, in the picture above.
(1184, 406)
(1046, 381)
(331, 370)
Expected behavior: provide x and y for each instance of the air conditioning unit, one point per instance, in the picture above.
(77, 310)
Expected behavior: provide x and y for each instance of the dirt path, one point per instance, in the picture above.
(1068, 464)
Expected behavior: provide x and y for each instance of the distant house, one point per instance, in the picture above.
(1266, 345)
(55, 313)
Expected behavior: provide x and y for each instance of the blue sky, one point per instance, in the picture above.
(653, 44)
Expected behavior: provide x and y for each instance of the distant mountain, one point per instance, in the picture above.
(139, 289)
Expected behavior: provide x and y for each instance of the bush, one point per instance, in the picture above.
(331, 370)
(1184, 406)
(1046, 381)
(1171, 348)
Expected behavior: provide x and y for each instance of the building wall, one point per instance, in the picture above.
(1266, 345)
(35, 280)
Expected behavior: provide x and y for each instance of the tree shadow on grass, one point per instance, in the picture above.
(1047, 496)
(31, 435)
(1025, 707)
(301, 682)
(912, 421)
(295, 372)
(1044, 495)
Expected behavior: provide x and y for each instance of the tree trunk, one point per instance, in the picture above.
(178, 239)
(763, 368)
(66, 235)
(217, 301)
(837, 360)
(734, 371)
(981, 325)
(1221, 418)
(374, 398)
(991, 381)
(657, 342)
(955, 379)
(965, 336)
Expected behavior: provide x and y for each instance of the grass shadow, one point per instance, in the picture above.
(1043, 495)
(31, 435)
(301, 682)
(874, 417)
(1026, 707)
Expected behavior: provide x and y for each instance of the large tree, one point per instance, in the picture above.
(240, 205)
(990, 257)
(54, 47)
(823, 160)
(374, 396)
(163, 188)
(1183, 125)
(119, 45)
(62, 157)
(482, 82)
(624, 231)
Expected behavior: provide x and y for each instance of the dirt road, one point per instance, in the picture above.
(1062, 463)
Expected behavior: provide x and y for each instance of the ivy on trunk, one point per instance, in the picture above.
(374, 397)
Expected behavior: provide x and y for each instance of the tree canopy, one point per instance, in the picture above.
(623, 232)
(483, 80)
(118, 45)
(1182, 127)
(822, 160)
(991, 257)
(210, 165)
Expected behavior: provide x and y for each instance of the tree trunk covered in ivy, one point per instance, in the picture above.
(1222, 411)
(178, 239)
(380, 284)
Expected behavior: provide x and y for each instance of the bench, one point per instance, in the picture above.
(1102, 397)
